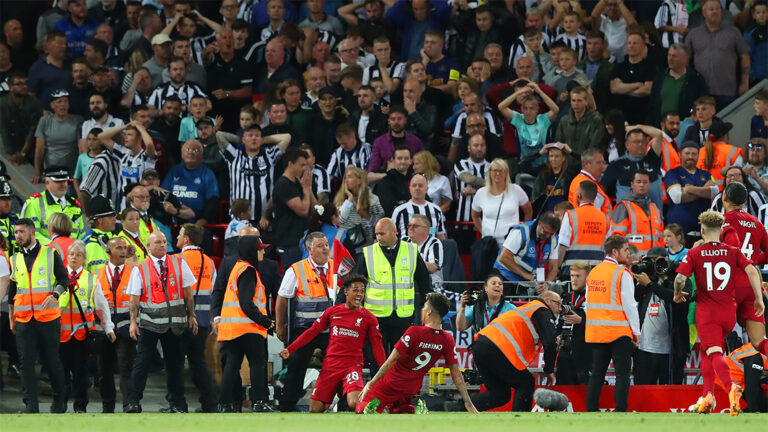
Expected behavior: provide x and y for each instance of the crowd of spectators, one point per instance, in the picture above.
(475, 116)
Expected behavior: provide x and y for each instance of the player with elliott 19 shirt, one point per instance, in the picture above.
(745, 231)
(714, 266)
(350, 325)
(399, 379)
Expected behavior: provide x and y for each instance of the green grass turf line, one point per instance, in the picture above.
(434, 421)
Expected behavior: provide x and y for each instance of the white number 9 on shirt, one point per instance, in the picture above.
(422, 360)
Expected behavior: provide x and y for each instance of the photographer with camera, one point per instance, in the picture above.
(528, 247)
(490, 299)
(663, 348)
(575, 357)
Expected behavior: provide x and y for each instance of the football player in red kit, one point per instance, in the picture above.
(350, 325)
(745, 231)
(400, 377)
(714, 265)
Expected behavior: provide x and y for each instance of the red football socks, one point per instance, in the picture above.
(721, 368)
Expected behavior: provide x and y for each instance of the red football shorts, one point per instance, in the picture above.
(713, 326)
(329, 382)
(745, 301)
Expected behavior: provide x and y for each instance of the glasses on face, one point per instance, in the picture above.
(755, 146)
(417, 226)
(192, 150)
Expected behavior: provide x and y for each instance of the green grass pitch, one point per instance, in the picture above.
(439, 422)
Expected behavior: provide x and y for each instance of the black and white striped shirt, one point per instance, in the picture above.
(252, 178)
(518, 48)
(670, 13)
(132, 166)
(341, 159)
(478, 169)
(185, 92)
(460, 129)
(103, 177)
(402, 215)
(198, 44)
(577, 43)
(431, 251)
(321, 183)
(396, 70)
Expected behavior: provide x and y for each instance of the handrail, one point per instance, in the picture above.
(739, 113)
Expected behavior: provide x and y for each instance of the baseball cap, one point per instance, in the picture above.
(719, 130)
(325, 91)
(59, 93)
(657, 251)
(57, 174)
(262, 245)
(205, 121)
(689, 143)
(160, 39)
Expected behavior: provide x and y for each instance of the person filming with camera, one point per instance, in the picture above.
(575, 357)
(491, 297)
(663, 346)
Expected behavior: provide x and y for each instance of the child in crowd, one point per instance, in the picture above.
(555, 51)
(84, 160)
(759, 126)
(568, 72)
(241, 218)
(198, 106)
(571, 35)
(542, 61)
(248, 116)
(382, 95)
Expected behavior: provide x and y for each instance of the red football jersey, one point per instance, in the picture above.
(420, 347)
(349, 328)
(745, 231)
(714, 266)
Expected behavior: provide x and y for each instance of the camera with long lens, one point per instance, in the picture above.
(475, 296)
(655, 266)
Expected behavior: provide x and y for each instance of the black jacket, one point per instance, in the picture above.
(694, 87)
(270, 277)
(692, 133)
(377, 124)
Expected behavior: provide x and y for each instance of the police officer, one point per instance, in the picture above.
(193, 346)
(7, 217)
(503, 362)
(113, 279)
(308, 286)
(40, 206)
(528, 246)
(612, 323)
(398, 281)
(103, 219)
(161, 308)
(583, 231)
(243, 328)
(35, 314)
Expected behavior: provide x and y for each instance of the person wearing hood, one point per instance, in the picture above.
(663, 346)
(637, 217)
(243, 327)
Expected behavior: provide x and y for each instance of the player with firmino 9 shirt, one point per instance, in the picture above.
(715, 266)
(350, 325)
(419, 348)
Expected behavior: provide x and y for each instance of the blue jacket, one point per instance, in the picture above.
(526, 256)
(758, 51)
(401, 16)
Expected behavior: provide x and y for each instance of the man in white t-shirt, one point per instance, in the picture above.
(613, 18)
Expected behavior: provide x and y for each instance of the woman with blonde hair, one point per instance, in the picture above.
(496, 207)
(60, 227)
(359, 209)
(438, 187)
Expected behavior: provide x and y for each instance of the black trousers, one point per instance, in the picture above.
(74, 358)
(251, 346)
(651, 368)
(620, 351)
(753, 392)
(391, 328)
(571, 370)
(114, 358)
(174, 367)
(500, 377)
(193, 346)
(33, 339)
(297, 367)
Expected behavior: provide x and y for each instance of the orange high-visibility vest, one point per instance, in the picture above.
(61, 244)
(573, 191)
(589, 227)
(71, 319)
(670, 157)
(202, 267)
(161, 306)
(120, 302)
(735, 363)
(725, 156)
(606, 320)
(29, 298)
(234, 322)
(513, 332)
(640, 230)
(311, 293)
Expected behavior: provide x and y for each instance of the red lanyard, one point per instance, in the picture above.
(575, 303)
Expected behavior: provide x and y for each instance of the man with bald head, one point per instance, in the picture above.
(398, 281)
(268, 73)
(194, 184)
